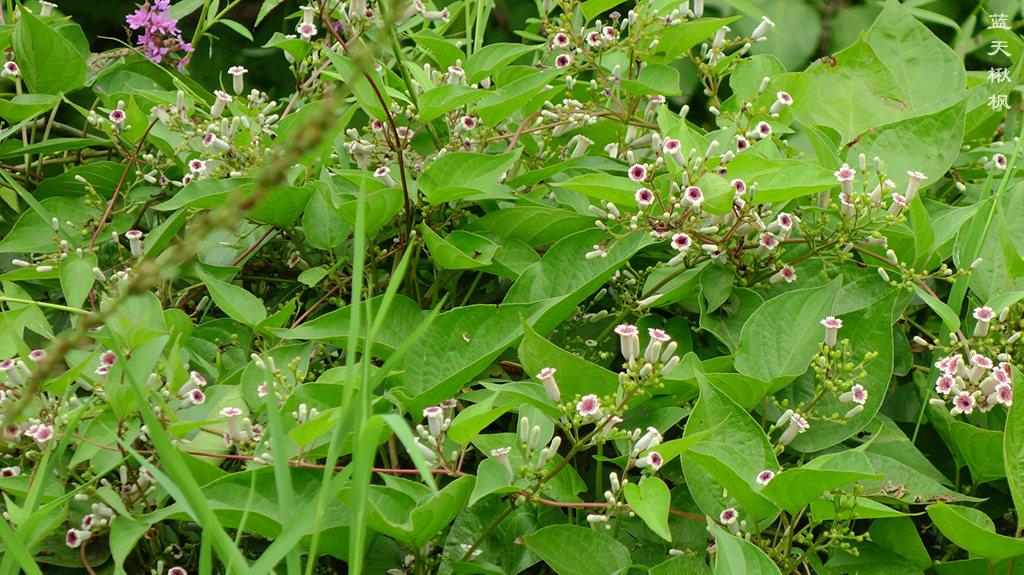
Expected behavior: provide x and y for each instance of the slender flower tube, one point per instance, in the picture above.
(237, 78)
(435, 420)
(984, 315)
(220, 101)
(914, 183)
(832, 325)
(134, 238)
(547, 379)
(845, 176)
(797, 425)
(629, 340)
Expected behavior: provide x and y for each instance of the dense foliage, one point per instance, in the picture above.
(635, 289)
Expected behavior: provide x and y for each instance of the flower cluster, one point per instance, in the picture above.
(159, 35)
(439, 418)
(979, 383)
(99, 519)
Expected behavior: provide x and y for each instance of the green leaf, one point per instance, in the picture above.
(49, 63)
(533, 225)
(973, 531)
(650, 500)
(735, 556)
(181, 9)
(572, 550)
(900, 535)
(869, 330)
(781, 179)
(323, 226)
(440, 100)
(444, 52)
(573, 373)
(237, 28)
(794, 488)
(397, 515)
(266, 8)
(795, 37)
(491, 477)
(602, 186)
(592, 8)
(312, 276)
(24, 106)
(461, 250)
(783, 334)
(654, 79)
(949, 317)
(512, 97)
(981, 449)
(564, 277)
(239, 304)
(737, 451)
(685, 35)
(1013, 456)
(718, 194)
(490, 58)
(479, 172)
(76, 278)
(917, 486)
(474, 418)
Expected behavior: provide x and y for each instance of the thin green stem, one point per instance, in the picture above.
(45, 304)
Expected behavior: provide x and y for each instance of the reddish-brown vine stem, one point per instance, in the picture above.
(120, 184)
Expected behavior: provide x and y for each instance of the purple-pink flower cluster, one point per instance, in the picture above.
(160, 37)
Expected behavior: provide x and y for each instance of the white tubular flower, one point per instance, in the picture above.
(547, 378)
(501, 454)
(383, 173)
(832, 325)
(435, 420)
(693, 196)
(979, 365)
(765, 477)
(134, 238)
(984, 315)
(964, 403)
(237, 78)
(762, 28)
(797, 425)
(456, 75)
(589, 407)
(672, 147)
(629, 340)
(75, 537)
(845, 176)
(426, 452)
(306, 30)
(786, 274)
(10, 70)
(1003, 394)
(581, 143)
(220, 101)
(856, 394)
(653, 351)
(899, 202)
(650, 439)
(652, 460)
(781, 99)
(117, 116)
(914, 183)
(644, 197)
